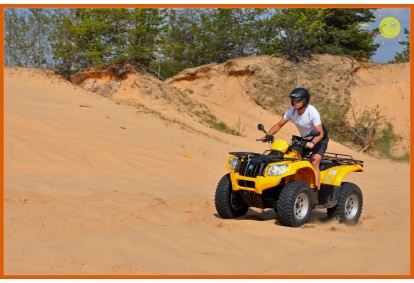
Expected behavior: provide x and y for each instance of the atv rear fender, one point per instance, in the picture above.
(335, 175)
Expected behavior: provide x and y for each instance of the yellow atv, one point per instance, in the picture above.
(282, 179)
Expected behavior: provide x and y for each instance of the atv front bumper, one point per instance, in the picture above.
(253, 184)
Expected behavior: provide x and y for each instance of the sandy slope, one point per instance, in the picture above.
(95, 187)
(386, 86)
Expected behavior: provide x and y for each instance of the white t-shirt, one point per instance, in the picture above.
(306, 122)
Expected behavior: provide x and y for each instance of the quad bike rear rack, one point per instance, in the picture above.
(341, 159)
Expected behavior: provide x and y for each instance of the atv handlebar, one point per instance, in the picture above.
(300, 141)
(268, 138)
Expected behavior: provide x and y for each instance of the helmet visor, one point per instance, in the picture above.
(295, 99)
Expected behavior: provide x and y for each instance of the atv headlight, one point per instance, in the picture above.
(233, 163)
(276, 170)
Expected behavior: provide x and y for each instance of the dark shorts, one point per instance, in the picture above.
(320, 147)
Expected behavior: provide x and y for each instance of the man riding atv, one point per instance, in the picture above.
(286, 179)
(306, 118)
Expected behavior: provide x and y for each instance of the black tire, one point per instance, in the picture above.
(229, 203)
(349, 207)
(295, 204)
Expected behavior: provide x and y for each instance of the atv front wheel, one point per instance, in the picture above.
(229, 203)
(349, 207)
(295, 204)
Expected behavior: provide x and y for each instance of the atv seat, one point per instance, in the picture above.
(326, 164)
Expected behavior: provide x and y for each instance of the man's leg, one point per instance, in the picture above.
(318, 153)
(316, 161)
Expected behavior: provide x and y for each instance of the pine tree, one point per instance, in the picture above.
(299, 31)
(342, 34)
(63, 41)
(25, 40)
(333, 31)
(144, 34)
(404, 56)
(39, 20)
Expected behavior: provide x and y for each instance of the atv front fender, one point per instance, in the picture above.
(298, 166)
(300, 170)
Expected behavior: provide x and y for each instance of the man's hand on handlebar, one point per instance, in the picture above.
(267, 138)
(310, 145)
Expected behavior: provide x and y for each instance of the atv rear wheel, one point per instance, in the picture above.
(229, 203)
(349, 207)
(295, 204)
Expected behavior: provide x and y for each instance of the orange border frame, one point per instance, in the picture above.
(2, 143)
(3, 276)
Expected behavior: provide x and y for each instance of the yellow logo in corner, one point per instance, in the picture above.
(389, 27)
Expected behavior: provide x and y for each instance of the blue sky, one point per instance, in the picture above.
(389, 47)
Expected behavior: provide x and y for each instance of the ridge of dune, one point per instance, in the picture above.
(240, 85)
(93, 186)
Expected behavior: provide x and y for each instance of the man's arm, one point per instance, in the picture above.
(273, 130)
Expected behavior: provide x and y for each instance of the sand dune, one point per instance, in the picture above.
(93, 187)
